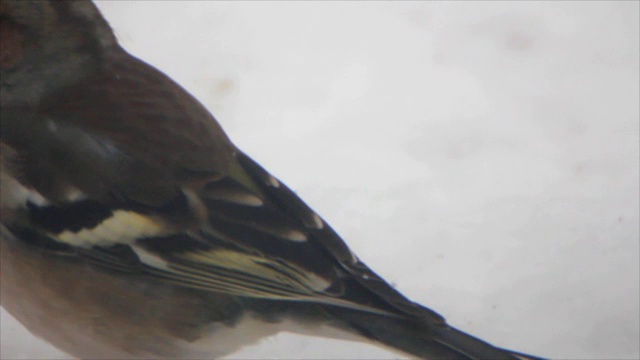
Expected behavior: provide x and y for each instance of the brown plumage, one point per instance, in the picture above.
(133, 228)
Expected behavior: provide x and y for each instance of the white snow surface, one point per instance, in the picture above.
(483, 157)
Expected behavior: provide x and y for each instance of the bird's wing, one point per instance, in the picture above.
(258, 240)
(132, 174)
(137, 177)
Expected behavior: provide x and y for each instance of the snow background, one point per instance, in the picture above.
(481, 156)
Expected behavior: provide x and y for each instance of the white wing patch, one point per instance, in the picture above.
(123, 227)
(317, 221)
(149, 258)
(14, 195)
(273, 182)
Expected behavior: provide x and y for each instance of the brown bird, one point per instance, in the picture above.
(133, 228)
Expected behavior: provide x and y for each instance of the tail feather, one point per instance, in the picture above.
(427, 341)
(475, 348)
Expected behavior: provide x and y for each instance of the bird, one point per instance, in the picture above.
(133, 228)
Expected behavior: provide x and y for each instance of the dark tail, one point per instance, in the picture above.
(427, 341)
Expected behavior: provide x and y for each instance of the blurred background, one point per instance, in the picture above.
(483, 157)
